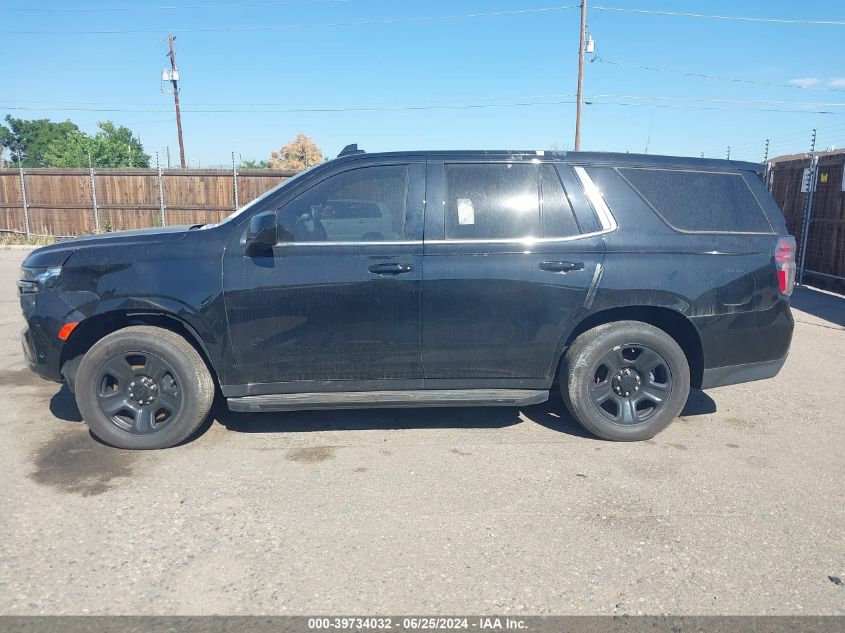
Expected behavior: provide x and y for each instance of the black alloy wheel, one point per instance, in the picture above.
(139, 392)
(143, 387)
(631, 384)
(625, 380)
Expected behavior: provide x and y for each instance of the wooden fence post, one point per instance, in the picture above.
(23, 200)
(161, 194)
(94, 199)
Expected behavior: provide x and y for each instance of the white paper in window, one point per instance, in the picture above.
(466, 212)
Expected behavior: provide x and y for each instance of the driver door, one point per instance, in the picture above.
(335, 306)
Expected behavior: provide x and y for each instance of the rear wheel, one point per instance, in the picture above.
(625, 381)
(143, 387)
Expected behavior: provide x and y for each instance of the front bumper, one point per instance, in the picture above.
(45, 313)
(43, 360)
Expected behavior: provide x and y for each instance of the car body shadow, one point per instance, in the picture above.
(698, 403)
(551, 414)
(63, 405)
(824, 305)
(367, 419)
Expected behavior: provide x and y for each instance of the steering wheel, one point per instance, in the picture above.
(319, 231)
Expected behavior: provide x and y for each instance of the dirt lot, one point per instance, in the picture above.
(739, 507)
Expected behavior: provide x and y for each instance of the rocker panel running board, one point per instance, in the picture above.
(387, 399)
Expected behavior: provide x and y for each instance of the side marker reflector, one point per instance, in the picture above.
(67, 328)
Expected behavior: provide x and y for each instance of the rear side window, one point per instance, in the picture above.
(492, 201)
(700, 201)
(556, 216)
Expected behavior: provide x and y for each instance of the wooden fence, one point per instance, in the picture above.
(64, 202)
(825, 250)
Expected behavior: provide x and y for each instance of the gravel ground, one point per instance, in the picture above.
(739, 507)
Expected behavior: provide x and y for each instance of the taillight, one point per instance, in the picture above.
(785, 264)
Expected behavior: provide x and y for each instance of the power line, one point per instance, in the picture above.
(692, 107)
(285, 27)
(307, 110)
(236, 107)
(682, 73)
(717, 100)
(720, 17)
(184, 7)
(432, 107)
(271, 104)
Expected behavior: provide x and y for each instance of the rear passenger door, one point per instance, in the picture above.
(511, 252)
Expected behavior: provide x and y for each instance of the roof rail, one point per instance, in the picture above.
(351, 149)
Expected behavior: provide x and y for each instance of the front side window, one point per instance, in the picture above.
(492, 201)
(368, 204)
(700, 200)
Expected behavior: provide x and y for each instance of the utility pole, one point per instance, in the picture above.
(581, 45)
(174, 79)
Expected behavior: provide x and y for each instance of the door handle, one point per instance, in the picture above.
(390, 269)
(561, 267)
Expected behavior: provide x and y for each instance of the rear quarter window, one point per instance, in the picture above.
(700, 201)
(556, 216)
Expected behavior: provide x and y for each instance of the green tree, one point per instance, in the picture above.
(116, 147)
(112, 146)
(28, 141)
(71, 151)
(254, 164)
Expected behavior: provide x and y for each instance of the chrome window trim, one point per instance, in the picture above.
(596, 198)
(524, 241)
(335, 243)
(606, 219)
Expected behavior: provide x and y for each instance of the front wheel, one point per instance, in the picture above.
(143, 387)
(625, 381)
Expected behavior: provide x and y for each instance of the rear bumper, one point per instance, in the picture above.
(744, 346)
(734, 374)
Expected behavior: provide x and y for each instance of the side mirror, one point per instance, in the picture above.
(262, 234)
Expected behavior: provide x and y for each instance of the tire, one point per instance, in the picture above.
(143, 387)
(625, 381)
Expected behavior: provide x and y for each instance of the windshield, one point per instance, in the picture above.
(263, 196)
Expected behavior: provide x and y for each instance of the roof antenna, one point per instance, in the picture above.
(351, 149)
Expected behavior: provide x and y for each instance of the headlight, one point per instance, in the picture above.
(37, 279)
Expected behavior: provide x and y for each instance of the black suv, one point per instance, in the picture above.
(427, 279)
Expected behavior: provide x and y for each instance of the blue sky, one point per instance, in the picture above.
(520, 56)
